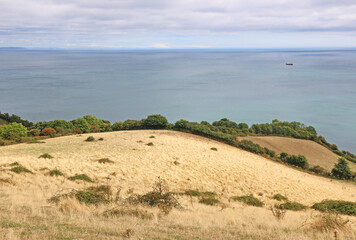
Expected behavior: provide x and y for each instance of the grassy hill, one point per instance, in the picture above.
(185, 162)
(314, 152)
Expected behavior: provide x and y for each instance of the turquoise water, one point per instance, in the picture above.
(251, 86)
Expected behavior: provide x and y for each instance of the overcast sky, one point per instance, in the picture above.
(177, 23)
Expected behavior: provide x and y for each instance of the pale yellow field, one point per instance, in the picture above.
(185, 161)
(315, 153)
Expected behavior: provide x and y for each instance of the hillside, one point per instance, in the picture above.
(185, 161)
(314, 152)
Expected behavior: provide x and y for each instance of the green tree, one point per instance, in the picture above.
(341, 170)
(156, 121)
(81, 124)
(94, 121)
(13, 131)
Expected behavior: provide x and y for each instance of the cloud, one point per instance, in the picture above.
(161, 45)
(119, 19)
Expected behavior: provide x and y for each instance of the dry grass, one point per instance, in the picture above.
(314, 152)
(26, 214)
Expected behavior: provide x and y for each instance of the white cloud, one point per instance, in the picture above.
(160, 45)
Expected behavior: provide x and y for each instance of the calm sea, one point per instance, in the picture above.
(252, 86)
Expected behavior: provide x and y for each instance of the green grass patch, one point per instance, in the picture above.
(46, 155)
(105, 160)
(209, 201)
(14, 164)
(152, 137)
(35, 141)
(20, 169)
(249, 200)
(279, 197)
(55, 172)
(150, 144)
(81, 177)
(213, 149)
(90, 139)
(343, 207)
(293, 206)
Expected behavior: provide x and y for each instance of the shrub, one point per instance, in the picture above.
(77, 131)
(94, 122)
(283, 156)
(318, 170)
(155, 122)
(46, 155)
(150, 144)
(2, 143)
(81, 124)
(105, 160)
(328, 222)
(94, 129)
(14, 164)
(249, 200)
(13, 131)
(294, 206)
(82, 177)
(298, 161)
(20, 169)
(269, 152)
(214, 149)
(152, 137)
(341, 170)
(250, 146)
(279, 197)
(101, 139)
(34, 132)
(209, 201)
(343, 207)
(90, 139)
(91, 196)
(48, 132)
(55, 172)
(60, 130)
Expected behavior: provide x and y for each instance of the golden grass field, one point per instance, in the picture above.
(315, 153)
(185, 161)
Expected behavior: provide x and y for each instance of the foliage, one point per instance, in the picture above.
(329, 222)
(82, 177)
(20, 169)
(299, 161)
(15, 119)
(77, 131)
(34, 132)
(156, 121)
(341, 170)
(294, 206)
(90, 139)
(250, 146)
(318, 170)
(248, 199)
(128, 211)
(214, 149)
(150, 144)
(343, 207)
(127, 125)
(81, 124)
(94, 195)
(209, 201)
(97, 123)
(46, 155)
(279, 197)
(55, 172)
(48, 132)
(13, 131)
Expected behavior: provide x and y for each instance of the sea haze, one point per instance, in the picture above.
(252, 86)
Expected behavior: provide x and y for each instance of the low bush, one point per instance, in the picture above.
(20, 169)
(101, 139)
(150, 144)
(213, 149)
(46, 155)
(209, 201)
(155, 122)
(250, 146)
(294, 206)
(318, 170)
(77, 131)
(82, 177)
(90, 139)
(249, 200)
(48, 132)
(298, 161)
(91, 197)
(13, 131)
(34, 132)
(343, 207)
(279, 197)
(55, 172)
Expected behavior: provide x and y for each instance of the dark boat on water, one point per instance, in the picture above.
(289, 64)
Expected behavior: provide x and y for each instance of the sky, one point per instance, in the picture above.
(177, 24)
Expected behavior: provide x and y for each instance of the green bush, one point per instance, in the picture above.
(150, 144)
(46, 155)
(214, 149)
(82, 177)
(81, 124)
(341, 170)
(343, 207)
(55, 172)
(250, 146)
(279, 197)
(298, 161)
(209, 201)
(94, 121)
(155, 122)
(248, 199)
(20, 169)
(294, 206)
(90, 139)
(92, 196)
(13, 131)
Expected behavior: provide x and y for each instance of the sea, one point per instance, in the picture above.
(251, 86)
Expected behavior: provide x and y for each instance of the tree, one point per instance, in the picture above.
(155, 122)
(13, 131)
(82, 124)
(341, 170)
